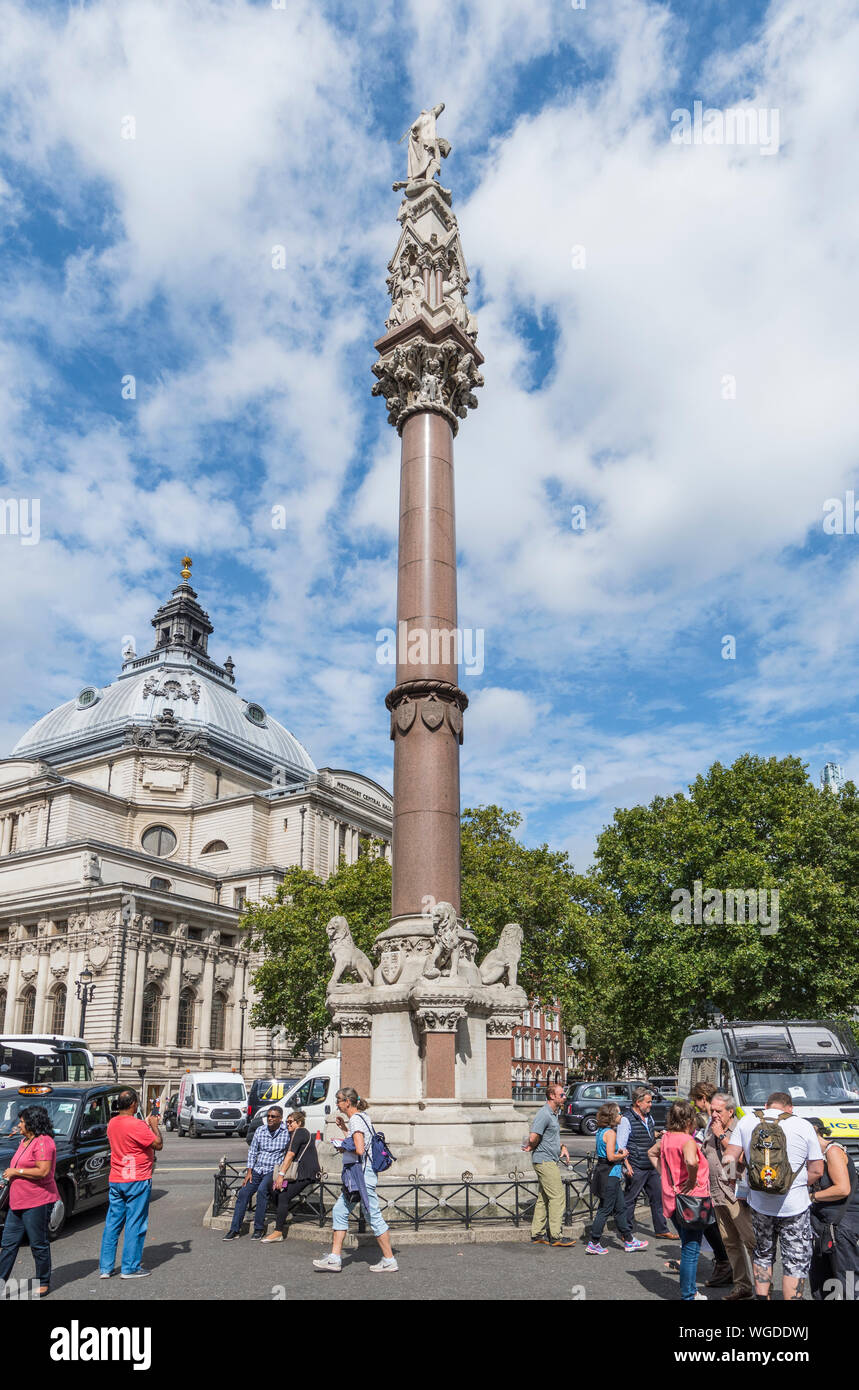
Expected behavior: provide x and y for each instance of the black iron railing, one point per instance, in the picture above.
(415, 1202)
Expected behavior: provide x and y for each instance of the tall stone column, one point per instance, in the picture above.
(174, 988)
(207, 993)
(40, 1021)
(8, 1022)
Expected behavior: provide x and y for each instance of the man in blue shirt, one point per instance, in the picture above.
(266, 1152)
(546, 1149)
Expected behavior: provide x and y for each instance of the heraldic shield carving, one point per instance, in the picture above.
(432, 712)
(405, 715)
(391, 964)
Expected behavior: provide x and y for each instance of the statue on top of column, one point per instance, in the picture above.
(426, 151)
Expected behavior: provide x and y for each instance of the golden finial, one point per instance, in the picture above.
(186, 567)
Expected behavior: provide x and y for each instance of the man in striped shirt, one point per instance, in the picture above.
(266, 1152)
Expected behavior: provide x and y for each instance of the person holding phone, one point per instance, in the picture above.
(32, 1194)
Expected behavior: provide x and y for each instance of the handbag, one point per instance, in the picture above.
(694, 1214)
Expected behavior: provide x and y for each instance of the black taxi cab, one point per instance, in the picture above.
(79, 1116)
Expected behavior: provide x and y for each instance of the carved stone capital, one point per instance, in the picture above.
(499, 1026)
(438, 703)
(418, 374)
(441, 1018)
(352, 1025)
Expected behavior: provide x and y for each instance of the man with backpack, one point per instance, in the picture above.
(783, 1156)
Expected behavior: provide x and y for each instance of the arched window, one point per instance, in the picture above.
(28, 1018)
(214, 847)
(185, 1023)
(538, 1076)
(150, 1023)
(528, 1077)
(216, 1031)
(58, 1009)
(518, 1074)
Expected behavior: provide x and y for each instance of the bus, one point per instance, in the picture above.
(28, 1059)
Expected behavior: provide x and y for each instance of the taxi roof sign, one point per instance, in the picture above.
(34, 1090)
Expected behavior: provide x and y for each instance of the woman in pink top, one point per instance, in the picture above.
(32, 1193)
(683, 1168)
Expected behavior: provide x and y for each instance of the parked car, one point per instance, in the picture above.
(666, 1085)
(269, 1090)
(170, 1111)
(79, 1114)
(584, 1099)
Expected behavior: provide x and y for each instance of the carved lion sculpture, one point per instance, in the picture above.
(503, 959)
(446, 948)
(347, 957)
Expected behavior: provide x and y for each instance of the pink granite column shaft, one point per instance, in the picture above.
(425, 847)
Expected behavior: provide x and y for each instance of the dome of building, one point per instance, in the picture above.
(174, 697)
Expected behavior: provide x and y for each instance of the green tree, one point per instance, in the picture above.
(289, 931)
(757, 825)
(502, 881)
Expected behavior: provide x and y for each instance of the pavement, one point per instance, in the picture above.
(189, 1261)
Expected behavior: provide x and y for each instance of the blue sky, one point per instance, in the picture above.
(605, 384)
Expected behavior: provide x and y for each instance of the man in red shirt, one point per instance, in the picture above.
(133, 1144)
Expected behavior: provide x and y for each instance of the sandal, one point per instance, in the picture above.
(673, 1265)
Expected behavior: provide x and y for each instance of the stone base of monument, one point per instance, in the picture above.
(442, 1139)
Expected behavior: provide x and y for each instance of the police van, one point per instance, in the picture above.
(815, 1061)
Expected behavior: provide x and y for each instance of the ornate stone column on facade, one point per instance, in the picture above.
(354, 1027)
(207, 993)
(13, 982)
(40, 1021)
(174, 989)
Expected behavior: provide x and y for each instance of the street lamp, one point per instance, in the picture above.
(313, 1050)
(141, 1072)
(243, 1004)
(84, 991)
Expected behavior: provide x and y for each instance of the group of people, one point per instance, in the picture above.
(700, 1175)
(33, 1191)
(282, 1158)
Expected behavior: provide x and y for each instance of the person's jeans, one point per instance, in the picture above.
(690, 1249)
(260, 1184)
(32, 1222)
(128, 1207)
(340, 1215)
(646, 1180)
(612, 1204)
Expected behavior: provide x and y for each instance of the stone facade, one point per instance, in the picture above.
(135, 823)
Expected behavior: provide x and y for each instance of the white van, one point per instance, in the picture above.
(315, 1094)
(211, 1102)
(815, 1061)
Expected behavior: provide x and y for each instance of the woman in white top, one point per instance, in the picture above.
(357, 1125)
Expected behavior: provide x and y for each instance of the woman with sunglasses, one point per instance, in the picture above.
(299, 1169)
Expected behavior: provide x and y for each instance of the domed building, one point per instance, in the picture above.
(136, 820)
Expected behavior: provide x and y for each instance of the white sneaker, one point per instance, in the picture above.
(330, 1264)
(105, 1275)
(386, 1266)
(700, 1298)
